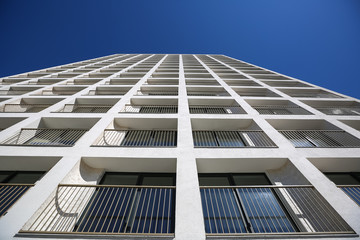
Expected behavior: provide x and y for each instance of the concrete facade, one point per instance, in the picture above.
(85, 163)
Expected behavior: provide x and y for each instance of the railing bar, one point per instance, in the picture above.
(147, 209)
(152, 209)
(73, 205)
(131, 199)
(218, 210)
(324, 224)
(258, 209)
(223, 208)
(121, 207)
(249, 203)
(277, 209)
(307, 212)
(98, 196)
(329, 211)
(112, 196)
(54, 210)
(18, 191)
(264, 209)
(207, 207)
(231, 192)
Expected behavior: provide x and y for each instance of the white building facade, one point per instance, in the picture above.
(169, 146)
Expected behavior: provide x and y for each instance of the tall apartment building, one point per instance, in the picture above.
(176, 147)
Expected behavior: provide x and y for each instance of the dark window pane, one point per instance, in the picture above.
(250, 179)
(158, 181)
(214, 181)
(26, 177)
(119, 179)
(4, 175)
(342, 178)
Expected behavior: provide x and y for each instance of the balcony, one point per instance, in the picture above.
(321, 139)
(122, 81)
(232, 139)
(203, 109)
(151, 109)
(137, 138)
(14, 184)
(45, 137)
(270, 210)
(206, 91)
(26, 108)
(107, 209)
(18, 90)
(109, 91)
(46, 81)
(10, 193)
(157, 91)
(59, 91)
(254, 92)
(8, 81)
(349, 108)
(84, 108)
(309, 93)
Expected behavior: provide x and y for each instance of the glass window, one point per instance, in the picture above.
(344, 178)
(250, 179)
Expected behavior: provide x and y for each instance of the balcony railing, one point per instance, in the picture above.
(339, 110)
(138, 138)
(45, 137)
(190, 93)
(156, 93)
(57, 92)
(107, 209)
(267, 210)
(106, 92)
(14, 92)
(320, 138)
(9, 194)
(353, 191)
(281, 110)
(231, 139)
(85, 108)
(150, 109)
(24, 107)
(203, 109)
(314, 95)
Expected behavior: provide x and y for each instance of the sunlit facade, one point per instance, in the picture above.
(169, 146)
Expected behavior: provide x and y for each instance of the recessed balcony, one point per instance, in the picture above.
(214, 106)
(158, 133)
(309, 93)
(336, 107)
(277, 107)
(151, 106)
(59, 91)
(206, 91)
(109, 91)
(29, 105)
(254, 92)
(157, 91)
(17, 90)
(55, 132)
(229, 134)
(89, 105)
(314, 134)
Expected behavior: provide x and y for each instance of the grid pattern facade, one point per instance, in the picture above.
(177, 147)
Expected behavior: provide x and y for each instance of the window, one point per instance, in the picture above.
(13, 184)
(348, 182)
(242, 209)
(131, 203)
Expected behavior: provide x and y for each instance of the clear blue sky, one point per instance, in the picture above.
(314, 40)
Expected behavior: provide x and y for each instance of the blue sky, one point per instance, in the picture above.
(314, 40)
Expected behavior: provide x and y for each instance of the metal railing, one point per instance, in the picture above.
(107, 209)
(313, 95)
(203, 109)
(156, 93)
(353, 191)
(45, 137)
(231, 139)
(9, 194)
(106, 92)
(269, 210)
(57, 92)
(138, 138)
(84, 108)
(281, 110)
(190, 93)
(320, 138)
(24, 107)
(339, 110)
(150, 109)
(14, 92)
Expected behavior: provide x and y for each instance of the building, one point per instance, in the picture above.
(176, 146)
